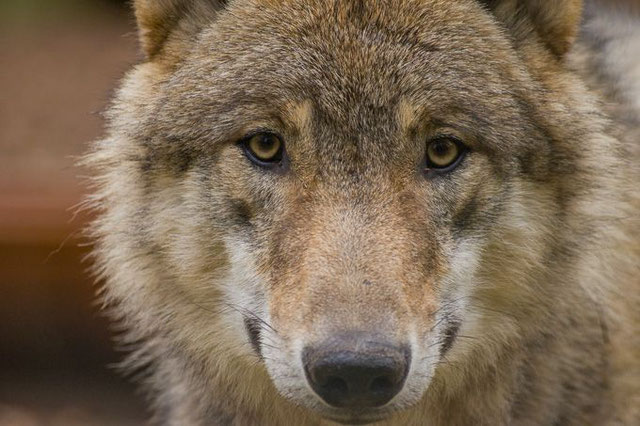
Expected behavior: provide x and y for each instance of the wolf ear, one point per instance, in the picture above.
(159, 20)
(554, 22)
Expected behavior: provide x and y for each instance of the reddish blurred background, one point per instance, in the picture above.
(61, 59)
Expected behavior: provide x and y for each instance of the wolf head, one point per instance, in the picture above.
(338, 204)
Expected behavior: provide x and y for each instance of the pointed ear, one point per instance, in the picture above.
(554, 22)
(159, 20)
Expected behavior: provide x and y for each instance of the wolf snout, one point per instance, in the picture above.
(356, 371)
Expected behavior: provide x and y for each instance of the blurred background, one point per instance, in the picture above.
(60, 62)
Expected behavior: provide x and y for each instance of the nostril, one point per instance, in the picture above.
(381, 384)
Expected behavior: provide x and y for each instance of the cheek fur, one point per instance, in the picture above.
(244, 297)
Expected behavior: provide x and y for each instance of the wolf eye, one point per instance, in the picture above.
(264, 149)
(444, 153)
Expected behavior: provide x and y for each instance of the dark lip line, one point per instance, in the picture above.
(355, 420)
(252, 326)
(450, 334)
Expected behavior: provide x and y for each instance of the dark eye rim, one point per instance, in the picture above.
(433, 169)
(279, 157)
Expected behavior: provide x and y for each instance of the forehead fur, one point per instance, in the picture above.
(356, 62)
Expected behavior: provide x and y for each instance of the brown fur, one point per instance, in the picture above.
(530, 248)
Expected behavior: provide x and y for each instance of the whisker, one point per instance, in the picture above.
(466, 337)
(252, 314)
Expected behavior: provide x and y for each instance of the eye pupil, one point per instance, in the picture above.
(441, 148)
(266, 142)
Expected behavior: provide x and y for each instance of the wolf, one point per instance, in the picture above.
(400, 212)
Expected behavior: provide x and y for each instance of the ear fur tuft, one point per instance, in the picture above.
(159, 19)
(554, 22)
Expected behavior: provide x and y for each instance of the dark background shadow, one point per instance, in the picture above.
(61, 60)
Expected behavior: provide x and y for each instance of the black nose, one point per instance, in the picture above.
(356, 371)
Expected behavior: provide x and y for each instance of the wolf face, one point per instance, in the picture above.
(352, 203)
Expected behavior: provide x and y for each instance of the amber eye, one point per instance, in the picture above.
(264, 149)
(444, 153)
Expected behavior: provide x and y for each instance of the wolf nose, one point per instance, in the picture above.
(355, 372)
